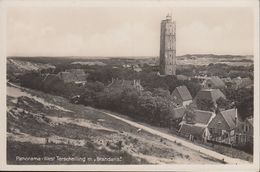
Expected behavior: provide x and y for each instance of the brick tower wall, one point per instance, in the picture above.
(168, 47)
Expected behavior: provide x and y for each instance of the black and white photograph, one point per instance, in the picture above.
(108, 84)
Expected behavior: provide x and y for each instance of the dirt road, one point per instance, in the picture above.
(190, 145)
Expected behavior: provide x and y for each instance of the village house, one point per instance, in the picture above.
(239, 82)
(178, 114)
(222, 127)
(126, 65)
(183, 77)
(136, 68)
(196, 128)
(182, 96)
(228, 82)
(77, 76)
(244, 132)
(202, 77)
(214, 82)
(125, 83)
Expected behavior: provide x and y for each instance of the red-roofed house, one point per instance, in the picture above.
(182, 96)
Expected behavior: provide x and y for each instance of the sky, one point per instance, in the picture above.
(126, 31)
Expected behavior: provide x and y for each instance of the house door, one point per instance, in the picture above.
(237, 139)
(191, 138)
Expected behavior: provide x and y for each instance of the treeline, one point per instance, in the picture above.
(50, 84)
(218, 69)
(152, 107)
(243, 99)
(155, 108)
(148, 77)
(148, 104)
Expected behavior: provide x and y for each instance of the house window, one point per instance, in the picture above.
(246, 128)
(232, 132)
(225, 135)
(236, 139)
(244, 138)
(219, 131)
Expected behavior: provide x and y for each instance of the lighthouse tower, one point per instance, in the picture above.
(168, 47)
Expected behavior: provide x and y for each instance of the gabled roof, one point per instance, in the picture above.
(184, 93)
(209, 94)
(230, 117)
(202, 117)
(179, 112)
(192, 130)
(216, 81)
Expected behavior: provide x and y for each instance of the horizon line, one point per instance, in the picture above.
(127, 56)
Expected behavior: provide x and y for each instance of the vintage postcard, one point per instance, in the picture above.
(130, 85)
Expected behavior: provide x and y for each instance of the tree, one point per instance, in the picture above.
(31, 80)
(95, 86)
(55, 85)
(193, 86)
(164, 111)
(129, 100)
(189, 114)
(162, 93)
(147, 106)
(204, 104)
(223, 103)
(243, 99)
(92, 94)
